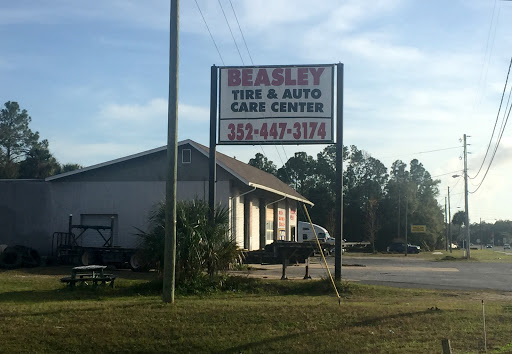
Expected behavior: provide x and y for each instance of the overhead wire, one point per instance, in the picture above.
(486, 58)
(241, 58)
(241, 32)
(447, 173)
(422, 152)
(496, 121)
(211, 36)
(232, 35)
(502, 130)
(285, 169)
(436, 150)
(250, 57)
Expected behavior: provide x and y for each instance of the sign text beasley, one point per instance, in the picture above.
(276, 93)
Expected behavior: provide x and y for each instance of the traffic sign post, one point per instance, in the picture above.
(418, 228)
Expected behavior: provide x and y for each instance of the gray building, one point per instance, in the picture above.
(261, 207)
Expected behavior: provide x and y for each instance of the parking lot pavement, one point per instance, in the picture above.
(400, 272)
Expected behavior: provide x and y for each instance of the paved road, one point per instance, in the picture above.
(401, 271)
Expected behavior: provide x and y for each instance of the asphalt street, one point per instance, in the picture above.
(401, 271)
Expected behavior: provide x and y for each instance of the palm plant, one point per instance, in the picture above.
(200, 246)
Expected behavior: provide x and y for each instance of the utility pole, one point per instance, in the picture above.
(406, 228)
(466, 195)
(481, 238)
(449, 220)
(446, 223)
(398, 228)
(172, 166)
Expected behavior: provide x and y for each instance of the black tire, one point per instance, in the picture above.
(137, 264)
(31, 258)
(11, 258)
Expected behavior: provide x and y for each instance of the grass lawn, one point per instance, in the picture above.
(38, 314)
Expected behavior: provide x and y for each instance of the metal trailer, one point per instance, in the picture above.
(67, 250)
(285, 252)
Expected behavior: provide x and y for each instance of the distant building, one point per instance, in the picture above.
(261, 207)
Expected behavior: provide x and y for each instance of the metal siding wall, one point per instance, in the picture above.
(223, 193)
(131, 201)
(25, 214)
(189, 190)
(30, 211)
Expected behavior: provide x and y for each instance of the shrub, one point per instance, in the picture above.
(200, 247)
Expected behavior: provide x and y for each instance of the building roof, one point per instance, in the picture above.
(247, 174)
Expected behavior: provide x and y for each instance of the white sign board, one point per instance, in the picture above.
(276, 105)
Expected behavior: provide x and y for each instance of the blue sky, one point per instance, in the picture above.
(418, 75)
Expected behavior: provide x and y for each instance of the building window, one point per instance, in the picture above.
(186, 156)
(304, 236)
(269, 234)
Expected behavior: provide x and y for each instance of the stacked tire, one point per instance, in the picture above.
(19, 256)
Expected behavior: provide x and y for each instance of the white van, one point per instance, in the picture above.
(305, 233)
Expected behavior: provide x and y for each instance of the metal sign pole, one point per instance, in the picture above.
(213, 144)
(339, 174)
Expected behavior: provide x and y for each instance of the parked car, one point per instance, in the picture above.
(489, 245)
(399, 247)
(506, 246)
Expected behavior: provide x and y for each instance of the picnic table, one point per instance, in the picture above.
(89, 274)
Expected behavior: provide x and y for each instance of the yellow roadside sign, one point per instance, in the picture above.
(418, 228)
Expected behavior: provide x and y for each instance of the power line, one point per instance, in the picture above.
(422, 152)
(232, 36)
(504, 124)
(250, 57)
(486, 58)
(447, 173)
(425, 152)
(496, 122)
(240, 28)
(211, 36)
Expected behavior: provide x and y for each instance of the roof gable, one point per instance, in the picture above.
(246, 173)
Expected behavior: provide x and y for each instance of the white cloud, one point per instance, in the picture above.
(124, 129)
(153, 111)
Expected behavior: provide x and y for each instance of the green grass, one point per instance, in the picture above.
(38, 314)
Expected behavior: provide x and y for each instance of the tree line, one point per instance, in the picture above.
(22, 153)
(376, 201)
(481, 233)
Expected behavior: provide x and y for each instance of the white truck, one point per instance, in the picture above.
(305, 233)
